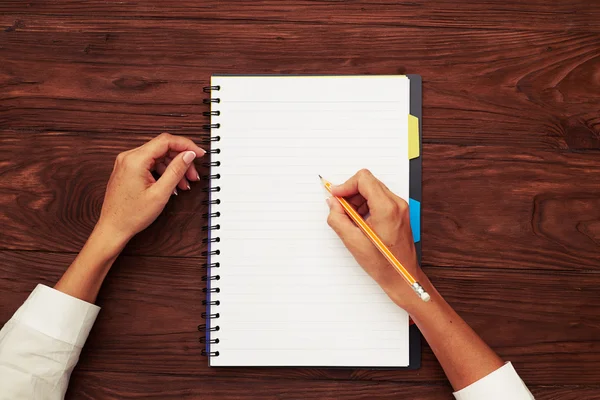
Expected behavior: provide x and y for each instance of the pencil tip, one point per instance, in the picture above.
(320, 177)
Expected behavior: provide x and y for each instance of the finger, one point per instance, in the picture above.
(165, 143)
(174, 173)
(359, 203)
(338, 220)
(342, 225)
(356, 200)
(387, 190)
(363, 210)
(160, 169)
(363, 183)
(183, 183)
(192, 174)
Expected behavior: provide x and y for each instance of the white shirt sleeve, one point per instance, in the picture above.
(502, 384)
(40, 344)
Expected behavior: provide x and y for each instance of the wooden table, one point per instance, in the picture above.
(511, 174)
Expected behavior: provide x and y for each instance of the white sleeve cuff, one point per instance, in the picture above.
(58, 315)
(504, 383)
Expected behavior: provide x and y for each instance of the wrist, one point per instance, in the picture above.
(87, 272)
(416, 307)
(107, 240)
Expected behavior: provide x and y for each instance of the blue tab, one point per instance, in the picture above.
(415, 218)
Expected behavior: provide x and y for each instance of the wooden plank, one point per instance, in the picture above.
(536, 89)
(168, 288)
(545, 322)
(507, 207)
(110, 385)
(72, 74)
(482, 206)
(439, 14)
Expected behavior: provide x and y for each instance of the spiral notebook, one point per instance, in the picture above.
(282, 290)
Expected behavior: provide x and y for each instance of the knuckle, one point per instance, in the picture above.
(177, 169)
(164, 136)
(120, 158)
(402, 205)
(330, 220)
(364, 173)
(390, 208)
(402, 213)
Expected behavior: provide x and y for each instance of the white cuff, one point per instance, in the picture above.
(58, 315)
(504, 383)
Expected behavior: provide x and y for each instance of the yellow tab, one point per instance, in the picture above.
(413, 137)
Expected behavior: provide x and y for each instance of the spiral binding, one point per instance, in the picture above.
(211, 278)
(208, 127)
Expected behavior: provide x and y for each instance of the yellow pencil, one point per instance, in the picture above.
(366, 229)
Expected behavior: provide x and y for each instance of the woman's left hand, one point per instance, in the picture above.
(133, 197)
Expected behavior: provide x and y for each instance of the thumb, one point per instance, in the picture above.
(174, 172)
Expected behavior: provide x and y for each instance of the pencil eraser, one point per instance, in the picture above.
(425, 297)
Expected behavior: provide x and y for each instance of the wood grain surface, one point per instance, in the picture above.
(511, 174)
(133, 386)
(534, 89)
(441, 14)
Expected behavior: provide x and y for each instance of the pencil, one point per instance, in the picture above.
(366, 229)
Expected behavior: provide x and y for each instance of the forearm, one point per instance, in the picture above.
(41, 343)
(463, 355)
(84, 277)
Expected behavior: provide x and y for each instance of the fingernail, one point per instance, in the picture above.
(197, 176)
(189, 156)
(328, 200)
(188, 186)
(175, 192)
(203, 151)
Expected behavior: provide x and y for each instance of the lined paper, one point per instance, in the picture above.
(290, 292)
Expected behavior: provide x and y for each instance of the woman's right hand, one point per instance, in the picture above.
(388, 215)
(463, 355)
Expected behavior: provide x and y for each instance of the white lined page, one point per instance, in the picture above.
(290, 292)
